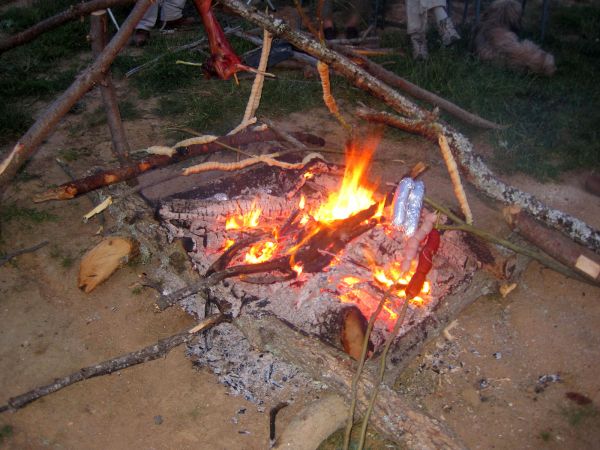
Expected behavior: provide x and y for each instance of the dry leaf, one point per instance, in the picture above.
(100, 262)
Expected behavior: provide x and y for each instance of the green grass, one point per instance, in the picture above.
(552, 122)
(38, 70)
(6, 431)
(12, 212)
(578, 415)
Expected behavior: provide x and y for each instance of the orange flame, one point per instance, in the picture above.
(302, 202)
(354, 194)
(261, 252)
(247, 220)
(298, 269)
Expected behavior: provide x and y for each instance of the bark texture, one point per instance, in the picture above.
(98, 34)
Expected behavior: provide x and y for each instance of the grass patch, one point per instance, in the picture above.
(577, 415)
(5, 432)
(37, 70)
(12, 212)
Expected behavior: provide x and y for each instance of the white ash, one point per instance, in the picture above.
(258, 377)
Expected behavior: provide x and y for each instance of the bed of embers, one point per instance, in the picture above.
(319, 247)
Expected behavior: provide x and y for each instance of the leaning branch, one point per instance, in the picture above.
(44, 125)
(146, 354)
(74, 12)
(479, 174)
(415, 91)
(337, 62)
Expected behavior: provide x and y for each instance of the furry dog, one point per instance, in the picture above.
(496, 40)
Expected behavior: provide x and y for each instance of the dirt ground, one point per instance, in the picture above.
(484, 382)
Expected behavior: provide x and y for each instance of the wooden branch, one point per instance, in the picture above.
(339, 63)
(106, 178)
(98, 35)
(479, 174)
(553, 243)
(74, 12)
(44, 125)
(392, 415)
(152, 352)
(6, 258)
(416, 91)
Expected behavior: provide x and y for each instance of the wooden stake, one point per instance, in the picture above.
(98, 31)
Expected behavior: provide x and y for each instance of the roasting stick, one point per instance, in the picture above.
(152, 352)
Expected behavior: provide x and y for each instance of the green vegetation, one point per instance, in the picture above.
(577, 415)
(5, 432)
(11, 212)
(552, 122)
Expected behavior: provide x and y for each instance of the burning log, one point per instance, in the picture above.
(106, 178)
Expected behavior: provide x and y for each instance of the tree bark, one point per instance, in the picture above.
(44, 125)
(150, 353)
(81, 186)
(479, 174)
(98, 34)
(74, 12)
(337, 62)
(415, 91)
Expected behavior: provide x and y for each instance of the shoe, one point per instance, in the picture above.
(329, 33)
(447, 32)
(141, 37)
(592, 184)
(351, 33)
(419, 46)
(177, 23)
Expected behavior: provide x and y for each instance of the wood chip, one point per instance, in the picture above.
(103, 260)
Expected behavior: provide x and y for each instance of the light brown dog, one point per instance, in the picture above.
(496, 40)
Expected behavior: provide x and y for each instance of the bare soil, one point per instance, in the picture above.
(483, 381)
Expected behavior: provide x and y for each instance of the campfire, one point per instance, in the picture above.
(319, 250)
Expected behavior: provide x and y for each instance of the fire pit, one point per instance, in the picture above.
(314, 248)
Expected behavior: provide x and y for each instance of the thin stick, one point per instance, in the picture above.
(6, 258)
(359, 369)
(382, 362)
(459, 191)
(152, 352)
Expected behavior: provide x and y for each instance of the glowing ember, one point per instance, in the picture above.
(228, 243)
(298, 269)
(302, 202)
(261, 252)
(248, 220)
(354, 194)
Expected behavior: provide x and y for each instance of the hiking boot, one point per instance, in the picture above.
(419, 46)
(447, 32)
(352, 33)
(140, 37)
(329, 33)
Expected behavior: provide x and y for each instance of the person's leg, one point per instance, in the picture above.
(329, 30)
(142, 29)
(444, 23)
(360, 13)
(149, 19)
(172, 10)
(416, 27)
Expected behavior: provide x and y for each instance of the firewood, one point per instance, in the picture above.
(6, 258)
(106, 178)
(354, 327)
(150, 353)
(47, 121)
(553, 243)
(98, 264)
